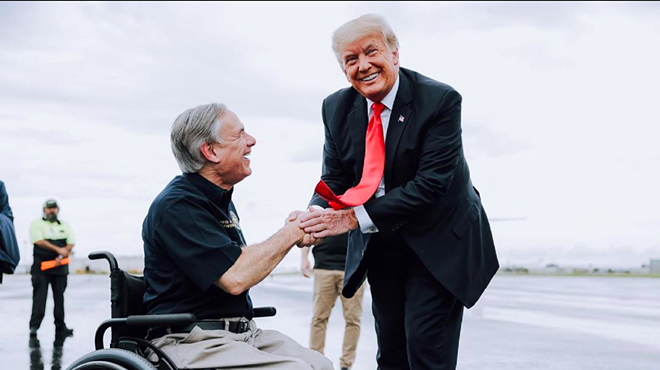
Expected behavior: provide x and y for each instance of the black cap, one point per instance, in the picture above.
(51, 203)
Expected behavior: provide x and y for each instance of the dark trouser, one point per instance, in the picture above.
(418, 322)
(40, 293)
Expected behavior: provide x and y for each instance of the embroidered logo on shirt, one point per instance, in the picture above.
(234, 219)
(227, 224)
(230, 224)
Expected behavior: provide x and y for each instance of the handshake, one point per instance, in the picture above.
(316, 223)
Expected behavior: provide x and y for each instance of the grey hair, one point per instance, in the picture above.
(192, 129)
(368, 24)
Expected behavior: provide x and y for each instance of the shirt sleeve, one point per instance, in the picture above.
(197, 243)
(366, 225)
(35, 232)
(69, 238)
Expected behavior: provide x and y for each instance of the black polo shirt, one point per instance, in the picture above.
(331, 253)
(191, 237)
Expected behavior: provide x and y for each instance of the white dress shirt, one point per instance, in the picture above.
(366, 225)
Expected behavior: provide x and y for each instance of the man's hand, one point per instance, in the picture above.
(293, 215)
(308, 240)
(329, 222)
(305, 267)
(63, 252)
(292, 224)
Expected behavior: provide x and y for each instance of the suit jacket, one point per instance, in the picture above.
(429, 201)
(9, 253)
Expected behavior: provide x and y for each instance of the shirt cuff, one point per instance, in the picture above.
(366, 225)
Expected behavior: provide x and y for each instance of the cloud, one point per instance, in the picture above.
(483, 141)
(559, 115)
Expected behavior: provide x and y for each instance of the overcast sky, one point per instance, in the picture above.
(560, 112)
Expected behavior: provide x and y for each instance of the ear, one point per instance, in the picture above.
(395, 56)
(208, 151)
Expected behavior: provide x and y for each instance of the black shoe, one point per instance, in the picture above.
(345, 368)
(64, 332)
(33, 331)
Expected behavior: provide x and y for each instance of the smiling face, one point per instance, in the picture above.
(232, 164)
(370, 66)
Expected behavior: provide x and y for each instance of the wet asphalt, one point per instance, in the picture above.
(522, 322)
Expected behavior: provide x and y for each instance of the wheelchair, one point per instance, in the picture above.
(129, 350)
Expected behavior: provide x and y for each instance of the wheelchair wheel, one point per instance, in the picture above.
(111, 359)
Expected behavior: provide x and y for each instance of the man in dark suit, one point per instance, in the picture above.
(9, 254)
(417, 228)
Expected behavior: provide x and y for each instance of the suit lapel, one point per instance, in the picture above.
(402, 108)
(358, 121)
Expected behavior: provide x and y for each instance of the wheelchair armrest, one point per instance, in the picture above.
(179, 319)
(264, 311)
(142, 320)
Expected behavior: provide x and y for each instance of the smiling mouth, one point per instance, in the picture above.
(371, 77)
(246, 156)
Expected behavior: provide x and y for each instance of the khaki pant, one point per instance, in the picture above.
(327, 286)
(254, 349)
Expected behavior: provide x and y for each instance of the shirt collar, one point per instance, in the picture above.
(219, 196)
(46, 220)
(388, 101)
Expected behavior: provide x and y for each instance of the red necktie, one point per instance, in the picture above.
(372, 171)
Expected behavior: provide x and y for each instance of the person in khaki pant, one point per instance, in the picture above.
(329, 261)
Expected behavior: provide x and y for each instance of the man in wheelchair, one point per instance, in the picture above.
(197, 261)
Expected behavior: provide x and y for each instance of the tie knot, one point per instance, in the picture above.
(378, 108)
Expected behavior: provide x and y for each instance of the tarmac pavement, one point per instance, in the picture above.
(522, 322)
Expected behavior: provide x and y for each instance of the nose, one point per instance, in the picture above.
(250, 140)
(364, 64)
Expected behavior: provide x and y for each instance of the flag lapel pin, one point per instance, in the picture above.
(401, 118)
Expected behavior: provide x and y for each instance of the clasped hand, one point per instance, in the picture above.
(320, 223)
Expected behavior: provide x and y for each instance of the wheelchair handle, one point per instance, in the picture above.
(264, 311)
(112, 261)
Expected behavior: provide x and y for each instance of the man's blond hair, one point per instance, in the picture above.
(368, 24)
